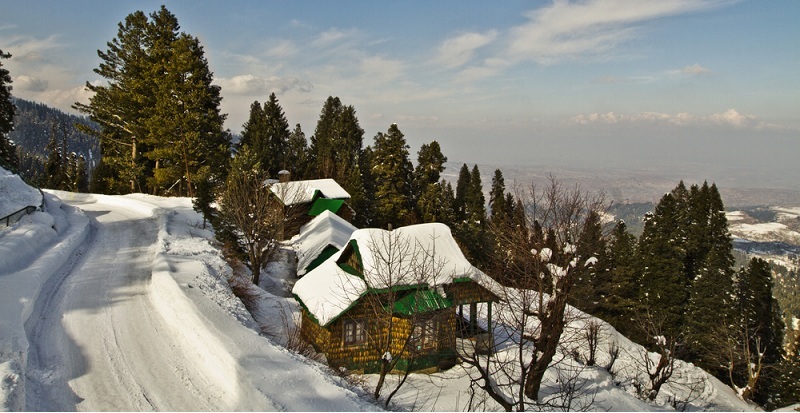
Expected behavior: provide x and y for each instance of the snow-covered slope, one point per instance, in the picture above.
(202, 327)
(196, 328)
(16, 194)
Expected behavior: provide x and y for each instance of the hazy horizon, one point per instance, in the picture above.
(704, 88)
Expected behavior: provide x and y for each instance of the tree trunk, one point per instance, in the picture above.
(133, 165)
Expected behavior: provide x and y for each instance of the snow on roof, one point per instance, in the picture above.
(325, 229)
(412, 255)
(416, 254)
(301, 192)
(328, 291)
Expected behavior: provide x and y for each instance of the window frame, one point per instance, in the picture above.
(354, 332)
(425, 334)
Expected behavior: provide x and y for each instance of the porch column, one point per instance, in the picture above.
(473, 318)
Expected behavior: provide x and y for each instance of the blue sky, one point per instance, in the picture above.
(600, 82)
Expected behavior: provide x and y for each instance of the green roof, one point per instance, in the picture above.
(421, 301)
(324, 204)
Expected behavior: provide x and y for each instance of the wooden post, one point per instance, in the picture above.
(473, 318)
(489, 327)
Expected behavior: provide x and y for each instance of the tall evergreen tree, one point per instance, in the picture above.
(475, 202)
(592, 282)
(462, 188)
(323, 141)
(392, 171)
(277, 136)
(54, 169)
(254, 130)
(8, 151)
(621, 302)
(266, 132)
(297, 153)
(663, 285)
(122, 106)
(158, 113)
(430, 165)
(436, 204)
(762, 321)
(497, 198)
(710, 264)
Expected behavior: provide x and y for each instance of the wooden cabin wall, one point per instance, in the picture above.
(366, 356)
(468, 292)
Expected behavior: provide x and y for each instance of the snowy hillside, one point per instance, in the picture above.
(205, 339)
(65, 344)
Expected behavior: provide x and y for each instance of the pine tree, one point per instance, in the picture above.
(277, 136)
(159, 116)
(297, 154)
(663, 285)
(462, 187)
(471, 231)
(710, 262)
(322, 148)
(186, 132)
(430, 165)
(762, 324)
(392, 171)
(475, 202)
(122, 107)
(497, 198)
(786, 388)
(621, 302)
(592, 283)
(8, 151)
(254, 130)
(54, 166)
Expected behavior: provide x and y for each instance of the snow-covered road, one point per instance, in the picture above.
(98, 343)
(139, 318)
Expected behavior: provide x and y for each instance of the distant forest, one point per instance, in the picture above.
(37, 127)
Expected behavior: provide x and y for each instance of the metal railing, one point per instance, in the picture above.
(14, 217)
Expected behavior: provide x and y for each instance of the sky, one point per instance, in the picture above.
(599, 83)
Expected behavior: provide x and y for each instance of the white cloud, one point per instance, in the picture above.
(730, 118)
(250, 85)
(695, 69)
(333, 36)
(579, 29)
(733, 117)
(282, 49)
(459, 50)
(381, 70)
(29, 83)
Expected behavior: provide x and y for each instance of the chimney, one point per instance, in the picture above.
(284, 176)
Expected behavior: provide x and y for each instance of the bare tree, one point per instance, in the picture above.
(537, 263)
(251, 216)
(658, 366)
(592, 335)
(741, 356)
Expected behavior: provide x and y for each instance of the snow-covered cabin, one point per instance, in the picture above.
(304, 200)
(402, 286)
(319, 239)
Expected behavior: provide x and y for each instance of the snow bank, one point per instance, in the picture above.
(36, 248)
(245, 370)
(15, 194)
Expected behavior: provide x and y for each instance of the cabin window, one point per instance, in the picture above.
(355, 332)
(425, 334)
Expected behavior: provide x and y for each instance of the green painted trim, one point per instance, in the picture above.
(420, 302)
(324, 204)
(326, 253)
